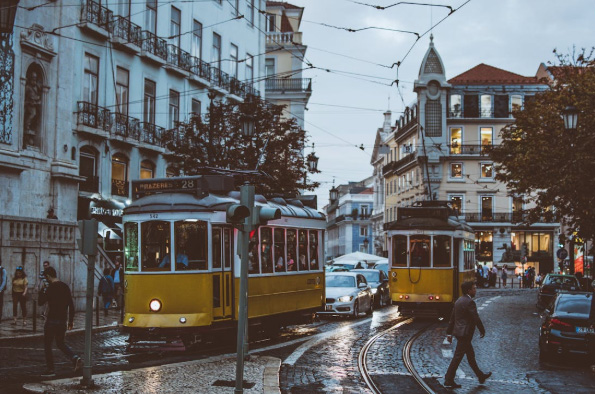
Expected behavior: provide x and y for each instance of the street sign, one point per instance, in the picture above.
(562, 254)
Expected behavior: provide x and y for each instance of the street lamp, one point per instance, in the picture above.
(8, 11)
(333, 194)
(570, 116)
(312, 160)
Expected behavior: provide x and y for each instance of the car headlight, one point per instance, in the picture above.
(374, 290)
(155, 305)
(345, 299)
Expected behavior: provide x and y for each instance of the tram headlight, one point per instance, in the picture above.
(155, 305)
(374, 290)
(345, 298)
(183, 320)
(130, 319)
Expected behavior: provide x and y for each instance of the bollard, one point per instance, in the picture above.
(34, 315)
(97, 311)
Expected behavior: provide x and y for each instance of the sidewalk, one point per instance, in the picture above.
(10, 331)
(211, 375)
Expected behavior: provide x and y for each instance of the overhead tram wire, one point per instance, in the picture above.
(382, 8)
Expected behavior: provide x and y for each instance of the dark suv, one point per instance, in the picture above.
(568, 326)
(552, 284)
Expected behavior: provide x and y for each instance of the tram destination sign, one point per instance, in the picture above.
(200, 185)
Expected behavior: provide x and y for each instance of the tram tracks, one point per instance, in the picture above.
(406, 356)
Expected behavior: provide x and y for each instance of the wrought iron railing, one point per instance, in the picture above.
(126, 30)
(151, 134)
(236, 87)
(98, 15)
(92, 115)
(154, 45)
(119, 188)
(179, 58)
(126, 126)
(90, 184)
(289, 84)
(200, 68)
(456, 149)
(224, 80)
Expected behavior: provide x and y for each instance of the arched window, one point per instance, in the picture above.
(119, 175)
(147, 170)
(88, 168)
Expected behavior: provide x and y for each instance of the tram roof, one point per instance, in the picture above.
(186, 202)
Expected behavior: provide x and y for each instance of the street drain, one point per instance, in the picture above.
(232, 383)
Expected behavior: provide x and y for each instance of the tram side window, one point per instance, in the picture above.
(419, 249)
(303, 250)
(266, 251)
(228, 246)
(399, 251)
(442, 251)
(155, 245)
(291, 247)
(216, 242)
(191, 245)
(253, 267)
(131, 247)
(279, 249)
(314, 261)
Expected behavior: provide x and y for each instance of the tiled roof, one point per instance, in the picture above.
(369, 190)
(282, 4)
(484, 74)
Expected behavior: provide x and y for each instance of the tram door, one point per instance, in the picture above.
(457, 266)
(222, 249)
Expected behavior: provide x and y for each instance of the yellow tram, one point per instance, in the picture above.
(182, 267)
(431, 252)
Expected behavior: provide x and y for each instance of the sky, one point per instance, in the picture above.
(348, 101)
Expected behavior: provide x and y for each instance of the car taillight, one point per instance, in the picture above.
(406, 297)
(430, 298)
(558, 324)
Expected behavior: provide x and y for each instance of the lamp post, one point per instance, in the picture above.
(312, 161)
(570, 117)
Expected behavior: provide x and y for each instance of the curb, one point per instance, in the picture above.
(71, 332)
(271, 375)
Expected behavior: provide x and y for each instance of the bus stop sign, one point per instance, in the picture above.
(561, 254)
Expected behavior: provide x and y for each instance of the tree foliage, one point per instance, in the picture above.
(547, 164)
(217, 141)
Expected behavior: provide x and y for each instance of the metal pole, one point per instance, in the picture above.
(246, 199)
(87, 379)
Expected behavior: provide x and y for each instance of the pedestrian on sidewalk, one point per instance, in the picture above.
(3, 276)
(118, 276)
(463, 320)
(60, 306)
(106, 290)
(504, 275)
(19, 295)
(42, 286)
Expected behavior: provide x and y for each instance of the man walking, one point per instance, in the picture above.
(463, 320)
(118, 276)
(60, 305)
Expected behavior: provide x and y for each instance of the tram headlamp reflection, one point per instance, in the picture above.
(155, 305)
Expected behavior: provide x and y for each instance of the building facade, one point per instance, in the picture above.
(92, 104)
(442, 156)
(377, 161)
(349, 224)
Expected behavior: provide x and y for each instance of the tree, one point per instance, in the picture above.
(217, 141)
(547, 164)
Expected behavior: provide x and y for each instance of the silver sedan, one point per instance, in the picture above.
(347, 293)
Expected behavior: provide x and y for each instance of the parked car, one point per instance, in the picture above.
(347, 293)
(350, 265)
(382, 265)
(378, 281)
(566, 325)
(552, 284)
(336, 268)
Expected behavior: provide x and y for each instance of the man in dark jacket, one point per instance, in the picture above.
(60, 305)
(463, 320)
(117, 275)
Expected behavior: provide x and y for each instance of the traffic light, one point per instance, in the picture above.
(236, 213)
(261, 215)
(561, 240)
(88, 242)
(524, 251)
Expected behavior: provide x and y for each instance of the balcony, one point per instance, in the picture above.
(154, 47)
(179, 58)
(236, 87)
(289, 84)
(396, 165)
(284, 38)
(200, 68)
(126, 126)
(90, 184)
(479, 150)
(97, 18)
(119, 188)
(93, 116)
(151, 134)
(501, 217)
(125, 32)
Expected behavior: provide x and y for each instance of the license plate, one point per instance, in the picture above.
(329, 307)
(585, 330)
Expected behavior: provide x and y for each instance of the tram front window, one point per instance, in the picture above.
(442, 251)
(419, 249)
(191, 245)
(399, 251)
(131, 247)
(314, 250)
(155, 245)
